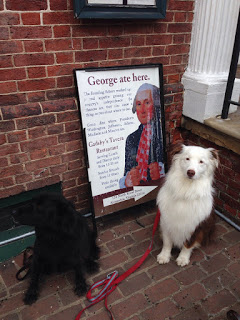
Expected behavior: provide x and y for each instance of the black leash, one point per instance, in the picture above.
(27, 259)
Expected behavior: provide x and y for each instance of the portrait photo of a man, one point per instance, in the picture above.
(144, 154)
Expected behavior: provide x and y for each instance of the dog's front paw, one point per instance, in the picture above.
(163, 258)
(182, 261)
(80, 290)
(30, 297)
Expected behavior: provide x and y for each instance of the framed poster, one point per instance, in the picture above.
(120, 9)
(122, 118)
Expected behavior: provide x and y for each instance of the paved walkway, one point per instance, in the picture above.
(205, 289)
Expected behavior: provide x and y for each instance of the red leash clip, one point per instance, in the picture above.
(112, 280)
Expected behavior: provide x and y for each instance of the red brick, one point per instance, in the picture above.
(138, 41)
(34, 59)
(137, 52)
(11, 47)
(6, 126)
(74, 145)
(161, 290)
(188, 276)
(8, 87)
(90, 43)
(38, 144)
(11, 171)
(68, 313)
(58, 44)
(93, 55)
(177, 49)
(159, 39)
(42, 163)
(137, 28)
(38, 154)
(18, 158)
(72, 156)
(89, 31)
(130, 306)
(4, 34)
(59, 169)
(36, 84)
(6, 61)
(10, 192)
(179, 27)
(196, 312)
(41, 307)
(33, 45)
(158, 50)
(190, 295)
(36, 72)
(9, 18)
(22, 178)
(62, 31)
(8, 149)
(7, 182)
(36, 96)
(32, 18)
(113, 260)
(34, 133)
(134, 284)
(11, 112)
(2, 138)
(12, 74)
(60, 93)
(43, 182)
(234, 251)
(219, 301)
(60, 70)
(58, 5)
(72, 126)
(31, 32)
(114, 42)
(59, 106)
(68, 137)
(16, 136)
(55, 17)
(181, 5)
(65, 82)
(64, 57)
(215, 263)
(166, 309)
(55, 129)
(180, 16)
(18, 5)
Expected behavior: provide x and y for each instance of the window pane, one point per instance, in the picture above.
(105, 1)
(129, 2)
(143, 2)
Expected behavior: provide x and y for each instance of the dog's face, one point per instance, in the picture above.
(46, 210)
(196, 162)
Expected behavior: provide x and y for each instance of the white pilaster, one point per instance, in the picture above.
(213, 34)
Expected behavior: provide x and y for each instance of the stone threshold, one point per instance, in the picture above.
(224, 133)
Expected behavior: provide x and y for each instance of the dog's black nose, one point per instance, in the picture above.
(191, 173)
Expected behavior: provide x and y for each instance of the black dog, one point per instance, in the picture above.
(64, 241)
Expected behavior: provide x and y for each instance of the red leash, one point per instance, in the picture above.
(111, 282)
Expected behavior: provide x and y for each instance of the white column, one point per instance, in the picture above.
(214, 28)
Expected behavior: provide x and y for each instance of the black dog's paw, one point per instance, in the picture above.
(92, 266)
(30, 297)
(80, 289)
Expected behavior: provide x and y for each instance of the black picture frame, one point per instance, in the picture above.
(83, 10)
(97, 115)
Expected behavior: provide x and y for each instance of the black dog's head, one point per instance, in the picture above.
(49, 210)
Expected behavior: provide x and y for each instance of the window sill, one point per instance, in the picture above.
(225, 133)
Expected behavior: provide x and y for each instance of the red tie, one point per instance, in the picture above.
(143, 151)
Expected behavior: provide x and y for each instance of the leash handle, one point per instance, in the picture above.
(112, 280)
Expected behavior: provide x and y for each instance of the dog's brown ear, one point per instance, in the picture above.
(174, 149)
(215, 155)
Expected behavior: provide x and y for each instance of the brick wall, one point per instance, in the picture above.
(41, 43)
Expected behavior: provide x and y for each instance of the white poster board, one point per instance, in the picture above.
(106, 98)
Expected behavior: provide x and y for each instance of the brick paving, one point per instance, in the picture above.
(204, 290)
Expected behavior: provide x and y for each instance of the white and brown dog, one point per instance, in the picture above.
(186, 202)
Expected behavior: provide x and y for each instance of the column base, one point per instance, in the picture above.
(204, 95)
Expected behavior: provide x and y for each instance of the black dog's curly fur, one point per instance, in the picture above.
(64, 241)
